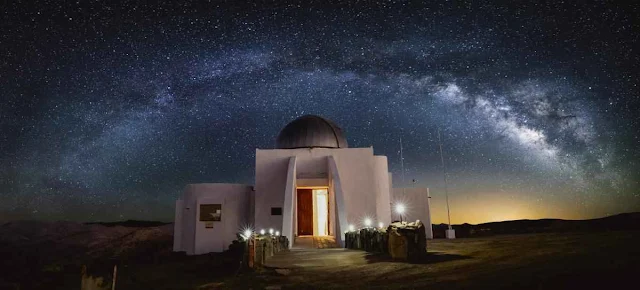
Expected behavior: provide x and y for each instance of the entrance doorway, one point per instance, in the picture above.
(313, 212)
(305, 212)
(321, 212)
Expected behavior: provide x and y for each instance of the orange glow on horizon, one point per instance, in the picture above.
(487, 207)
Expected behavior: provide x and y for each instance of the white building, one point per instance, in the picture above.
(311, 184)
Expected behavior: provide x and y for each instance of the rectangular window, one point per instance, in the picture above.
(276, 211)
(210, 212)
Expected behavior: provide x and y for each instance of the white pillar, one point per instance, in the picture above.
(289, 199)
(341, 224)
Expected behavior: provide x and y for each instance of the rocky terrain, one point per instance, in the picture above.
(36, 254)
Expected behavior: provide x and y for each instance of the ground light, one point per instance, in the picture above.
(352, 228)
(262, 232)
(277, 233)
(367, 222)
(271, 231)
(247, 234)
(380, 225)
(400, 209)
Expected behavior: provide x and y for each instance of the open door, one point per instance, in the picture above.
(305, 212)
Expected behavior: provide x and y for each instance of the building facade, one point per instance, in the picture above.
(312, 183)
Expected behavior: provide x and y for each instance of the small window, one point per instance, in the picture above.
(276, 211)
(210, 212)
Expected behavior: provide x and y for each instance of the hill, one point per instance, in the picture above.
(624, 221)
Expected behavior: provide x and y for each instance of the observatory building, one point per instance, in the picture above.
(311, 184)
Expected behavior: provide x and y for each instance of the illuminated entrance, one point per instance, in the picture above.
(313, 212)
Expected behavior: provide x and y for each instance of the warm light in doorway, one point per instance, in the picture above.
(321, 211)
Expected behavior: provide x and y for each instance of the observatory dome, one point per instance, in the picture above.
(311, 131)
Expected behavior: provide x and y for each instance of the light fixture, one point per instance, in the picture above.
(380, 225)
(277, 233)
(262, 231)
(400, 208)
(367, 222)
(247, 234)
(271, 231)
(352, 228)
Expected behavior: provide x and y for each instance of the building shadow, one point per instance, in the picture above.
(430, 258)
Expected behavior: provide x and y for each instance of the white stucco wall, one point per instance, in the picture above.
(418, 206)
(383, 198)
(340, 212)
(234, 199)
(356, 169)
(271, 180)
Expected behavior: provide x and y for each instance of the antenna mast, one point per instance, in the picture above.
(402, 165)
(444, 171)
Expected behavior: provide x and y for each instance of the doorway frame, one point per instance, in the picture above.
(313, 205)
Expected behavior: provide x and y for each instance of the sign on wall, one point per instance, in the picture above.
(210, 212)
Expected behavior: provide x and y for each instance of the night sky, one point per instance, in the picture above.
(109, 110)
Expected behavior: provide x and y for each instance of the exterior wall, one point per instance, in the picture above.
(333, 228)
(312, 182)
(383, 197)
(195, 237)
(340, 212)
(357, 180)
(355, 167)
(272, 168)
(417, 204)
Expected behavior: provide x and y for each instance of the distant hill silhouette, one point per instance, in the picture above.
(624, 221)
(130, 223)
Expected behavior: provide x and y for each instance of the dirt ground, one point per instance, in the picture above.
(586, 260)
(533, 261)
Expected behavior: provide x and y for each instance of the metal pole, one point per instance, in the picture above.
(402, 168)
(444, 171)
(402, 165)
(115, 272)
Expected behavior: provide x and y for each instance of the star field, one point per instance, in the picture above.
(109, 110)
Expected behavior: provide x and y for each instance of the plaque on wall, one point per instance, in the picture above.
(208, 225)
(210, 212)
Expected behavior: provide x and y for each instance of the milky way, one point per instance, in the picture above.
(109, 111)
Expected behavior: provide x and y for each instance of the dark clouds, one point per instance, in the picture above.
(109, 111)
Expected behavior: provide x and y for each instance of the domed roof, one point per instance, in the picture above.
(311, 131)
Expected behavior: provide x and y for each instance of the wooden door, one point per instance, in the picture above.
(305, 212)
